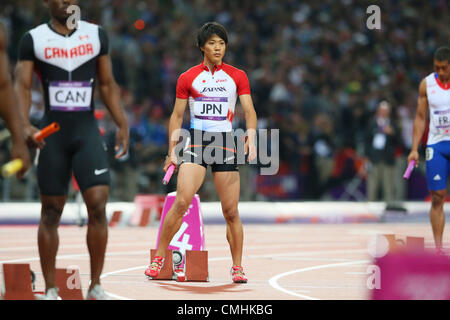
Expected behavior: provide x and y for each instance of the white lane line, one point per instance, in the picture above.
(112, 295)
(65, 246)
(274, 280)
(357, 273)
(308, 253)
(122, 270)
(70, 256)
(309, 259)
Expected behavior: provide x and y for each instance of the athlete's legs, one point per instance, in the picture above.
(437, 168)
(190, 179)
(48, 239)
(437, 216)
(228, 187)
(97, 231)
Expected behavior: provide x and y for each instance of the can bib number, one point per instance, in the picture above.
(70, 95)
(207, 108)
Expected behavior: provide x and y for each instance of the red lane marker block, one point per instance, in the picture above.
(115, 219)
(69, 283)
(197, 266)
(154, 202)
(167, 270)
(145, 217)
(16, 282)
(415, 243)
(401, 244)
(392, 243)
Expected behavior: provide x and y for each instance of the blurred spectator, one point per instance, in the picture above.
(381, 142)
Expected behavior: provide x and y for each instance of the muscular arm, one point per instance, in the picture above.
(175, 122)
(110, 93)
(24, 79)
(419, 121)
(251, 124)
(421, 116)
(9, 110)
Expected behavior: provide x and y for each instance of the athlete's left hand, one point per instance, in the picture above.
(122, 142)
(250, 150)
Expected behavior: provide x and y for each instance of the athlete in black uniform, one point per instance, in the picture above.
(68, 62)
(9, 111)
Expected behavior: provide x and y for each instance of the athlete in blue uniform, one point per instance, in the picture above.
(434, 98)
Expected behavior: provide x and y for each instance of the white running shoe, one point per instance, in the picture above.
(51, 294)
(97, 293)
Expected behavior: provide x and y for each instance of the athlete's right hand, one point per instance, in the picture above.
(170, 160)
(30, 131)
(414, 155)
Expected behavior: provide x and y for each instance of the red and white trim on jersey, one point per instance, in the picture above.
(438, 95)
(66, 52)
(444, 86)
(212, 95)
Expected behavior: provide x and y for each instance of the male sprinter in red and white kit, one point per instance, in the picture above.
(434, 97)
(68, 62)
(211, 83)
(9, 111)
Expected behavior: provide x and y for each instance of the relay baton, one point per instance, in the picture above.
(168, 174)
(409, 169)
(14, 166)
(45, 132)
(11, 167)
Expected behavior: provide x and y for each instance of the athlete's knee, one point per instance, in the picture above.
(181, 205)
(97, 212)
(230, 214)
(51, 213)
(437, 199)
(95, 199)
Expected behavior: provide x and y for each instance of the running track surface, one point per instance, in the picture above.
(282, 261)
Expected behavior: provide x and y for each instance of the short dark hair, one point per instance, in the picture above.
(209, 29)
(442, 54)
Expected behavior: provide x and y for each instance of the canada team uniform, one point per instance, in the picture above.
(67, 67)
(212, 96)
(437, 154)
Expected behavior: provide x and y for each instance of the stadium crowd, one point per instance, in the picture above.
(317, 73)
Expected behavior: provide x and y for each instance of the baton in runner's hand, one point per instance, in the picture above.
(168, 174)
(45, 132)
(409, 169)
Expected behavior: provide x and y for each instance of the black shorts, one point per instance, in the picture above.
(216, 149)
(77, 147)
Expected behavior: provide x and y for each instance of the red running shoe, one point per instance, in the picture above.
(237, 272)
(155, 267)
